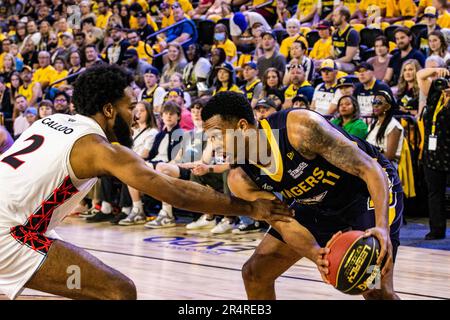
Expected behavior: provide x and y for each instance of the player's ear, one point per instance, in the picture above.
(242, 124)
(108, 110)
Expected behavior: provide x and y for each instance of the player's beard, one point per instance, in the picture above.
(122, 132)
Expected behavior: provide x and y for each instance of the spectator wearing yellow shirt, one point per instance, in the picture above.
(6, 43)
(306, 10)
(225, 79)
(293, 30)
(103, 14)
(61, 27)
(143, 3)
(323, 48)
(145, 51)
(399, 10)
(30, 89)
(136, 8)
(60, 72)
(186, 5)
(352, 5)
(221, 40)
(444, 16)
(421, 8)
(45, 72)
(167, 15)
(253, 86)
(361, 13)
(297, 84)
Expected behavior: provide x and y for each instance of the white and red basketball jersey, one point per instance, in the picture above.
(37, 185)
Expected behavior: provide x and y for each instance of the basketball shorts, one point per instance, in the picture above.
(22, 252)
(360, 215)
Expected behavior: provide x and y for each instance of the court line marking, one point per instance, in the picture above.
(239, 270)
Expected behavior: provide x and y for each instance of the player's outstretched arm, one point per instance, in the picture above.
(312, 135)
(293, 233)
(93, 156)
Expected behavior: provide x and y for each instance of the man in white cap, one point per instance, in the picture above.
(324, 92)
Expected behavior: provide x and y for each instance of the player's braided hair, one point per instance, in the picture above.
(98, 86)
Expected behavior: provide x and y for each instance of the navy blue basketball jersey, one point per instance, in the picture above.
(316, 182)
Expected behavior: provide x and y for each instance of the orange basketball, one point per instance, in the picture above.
(352, 262)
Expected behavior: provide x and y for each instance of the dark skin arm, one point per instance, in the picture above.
(312, 135)
(118, 161)
(293, 233)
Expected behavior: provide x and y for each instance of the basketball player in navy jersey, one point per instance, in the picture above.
(52, 166)
(335, 182)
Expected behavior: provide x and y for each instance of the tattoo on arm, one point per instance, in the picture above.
(318, 137)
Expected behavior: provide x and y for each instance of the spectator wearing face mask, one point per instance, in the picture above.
(221, 40)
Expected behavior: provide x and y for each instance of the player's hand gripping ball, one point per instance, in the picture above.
(352, 262)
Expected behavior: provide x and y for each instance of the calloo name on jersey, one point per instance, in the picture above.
(56, 126)
(298, 171)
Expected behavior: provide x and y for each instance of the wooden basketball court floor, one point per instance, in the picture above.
(178, 264)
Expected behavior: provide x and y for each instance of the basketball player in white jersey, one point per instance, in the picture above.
(54, 164)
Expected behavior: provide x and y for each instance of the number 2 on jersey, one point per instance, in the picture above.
(15, 162)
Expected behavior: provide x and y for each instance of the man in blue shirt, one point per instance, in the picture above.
(404, 41)
(182, 32)
(367, 87)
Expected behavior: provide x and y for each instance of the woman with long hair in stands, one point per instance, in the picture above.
(438, 45)
(407, 90)
(175, 63)
(196, 71)
(386, 132)
(349, 117)
(271, 81)
(218, 57)
(9, 66)
(75, 65)
(21, 33)
(14, 84)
